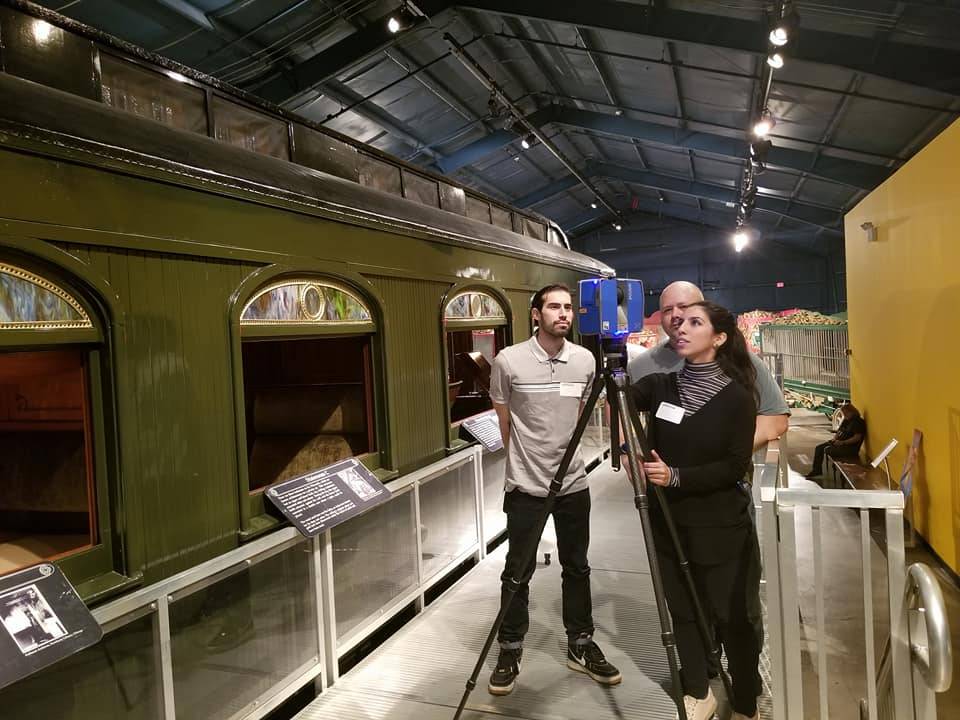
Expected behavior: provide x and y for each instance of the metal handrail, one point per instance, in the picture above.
(928, 634)
(934, 657)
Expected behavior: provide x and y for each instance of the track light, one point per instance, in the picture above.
(764, 124)
(618, 112)
(785, 28)
(402, 19)
(740, 240)
(528, 141)
(759, 150)
(593, 205)
(775, 61)
(618, 227)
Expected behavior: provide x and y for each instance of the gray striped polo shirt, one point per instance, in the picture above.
(544, 396)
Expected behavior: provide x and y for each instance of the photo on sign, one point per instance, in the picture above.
(361, 488)
(28, 618)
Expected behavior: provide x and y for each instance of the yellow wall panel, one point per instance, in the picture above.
(903, 294)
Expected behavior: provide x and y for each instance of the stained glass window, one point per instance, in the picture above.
(28, 302)
(304, 301)
(473, 305)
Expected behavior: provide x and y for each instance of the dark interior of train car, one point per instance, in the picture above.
(309, 403)
(470, 355)
(46, 490)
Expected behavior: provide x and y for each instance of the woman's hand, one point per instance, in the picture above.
(657, 472)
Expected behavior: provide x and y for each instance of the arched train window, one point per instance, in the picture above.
(475, 330)
(307, 352)
(53, 485)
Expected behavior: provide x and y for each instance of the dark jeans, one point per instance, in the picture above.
(725, 563)
(571, 519)
(837, 451)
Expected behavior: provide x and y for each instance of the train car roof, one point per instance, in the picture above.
(52, 122)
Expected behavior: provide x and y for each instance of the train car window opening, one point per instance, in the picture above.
(475, 330)
(54, 501)
(47, 493)
(307, 352)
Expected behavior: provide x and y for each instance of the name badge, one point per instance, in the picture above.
(571, 390)
(670, 413)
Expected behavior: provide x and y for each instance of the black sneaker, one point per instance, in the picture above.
(589, 659)
(504, 676)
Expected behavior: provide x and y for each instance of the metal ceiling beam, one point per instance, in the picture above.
(848, 172)
(327, 64)
(190, 12)
(343, 94)
(488, 82)
(588, 221)
(825, 218)
(751, 76)
(917, 64)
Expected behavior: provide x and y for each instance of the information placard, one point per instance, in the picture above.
(43, 619)
(485, 428)
(324, 498)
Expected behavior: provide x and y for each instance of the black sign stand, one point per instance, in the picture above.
(43, 621)
(485, 427)
(322, 499)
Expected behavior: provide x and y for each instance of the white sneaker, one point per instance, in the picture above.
(699, 708)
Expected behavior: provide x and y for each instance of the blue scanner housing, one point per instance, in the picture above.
(610, 307)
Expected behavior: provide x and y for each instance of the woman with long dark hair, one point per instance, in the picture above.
(701, 432)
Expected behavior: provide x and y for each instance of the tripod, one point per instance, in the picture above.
(611, 376)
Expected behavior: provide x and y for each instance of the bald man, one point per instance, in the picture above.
(772, 411)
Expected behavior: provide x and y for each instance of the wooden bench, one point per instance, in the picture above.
(856, 475)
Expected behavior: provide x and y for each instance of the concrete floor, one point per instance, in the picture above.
(844, 636)
(419, 673)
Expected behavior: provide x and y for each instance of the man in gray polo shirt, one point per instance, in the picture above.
(537, 388)
(772, 411)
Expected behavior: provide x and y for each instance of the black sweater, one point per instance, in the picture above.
(712, 448)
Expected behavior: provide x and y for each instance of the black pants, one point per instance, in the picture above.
(571, 519)
(725, 563)
(838, 451)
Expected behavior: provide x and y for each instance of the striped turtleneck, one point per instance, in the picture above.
(698, 383)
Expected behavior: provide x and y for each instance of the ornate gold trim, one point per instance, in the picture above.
(83, 324)
(478, 315)
(303, 284)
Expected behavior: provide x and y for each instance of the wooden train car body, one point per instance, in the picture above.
(152, 400)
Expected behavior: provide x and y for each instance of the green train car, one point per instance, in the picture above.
(201, 295)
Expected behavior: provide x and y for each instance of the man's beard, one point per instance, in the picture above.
(556, 332)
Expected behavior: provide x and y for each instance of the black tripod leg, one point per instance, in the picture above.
(529, 555)
(706, 635)
(633, 437)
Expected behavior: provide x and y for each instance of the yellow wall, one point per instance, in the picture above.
(903, 293)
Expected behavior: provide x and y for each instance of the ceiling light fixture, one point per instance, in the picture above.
(618, 112)
(593, 205)
(775, 61)
(785, 27)
(740, 240)
(618, 227)
(764, 124)
(403, 19)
